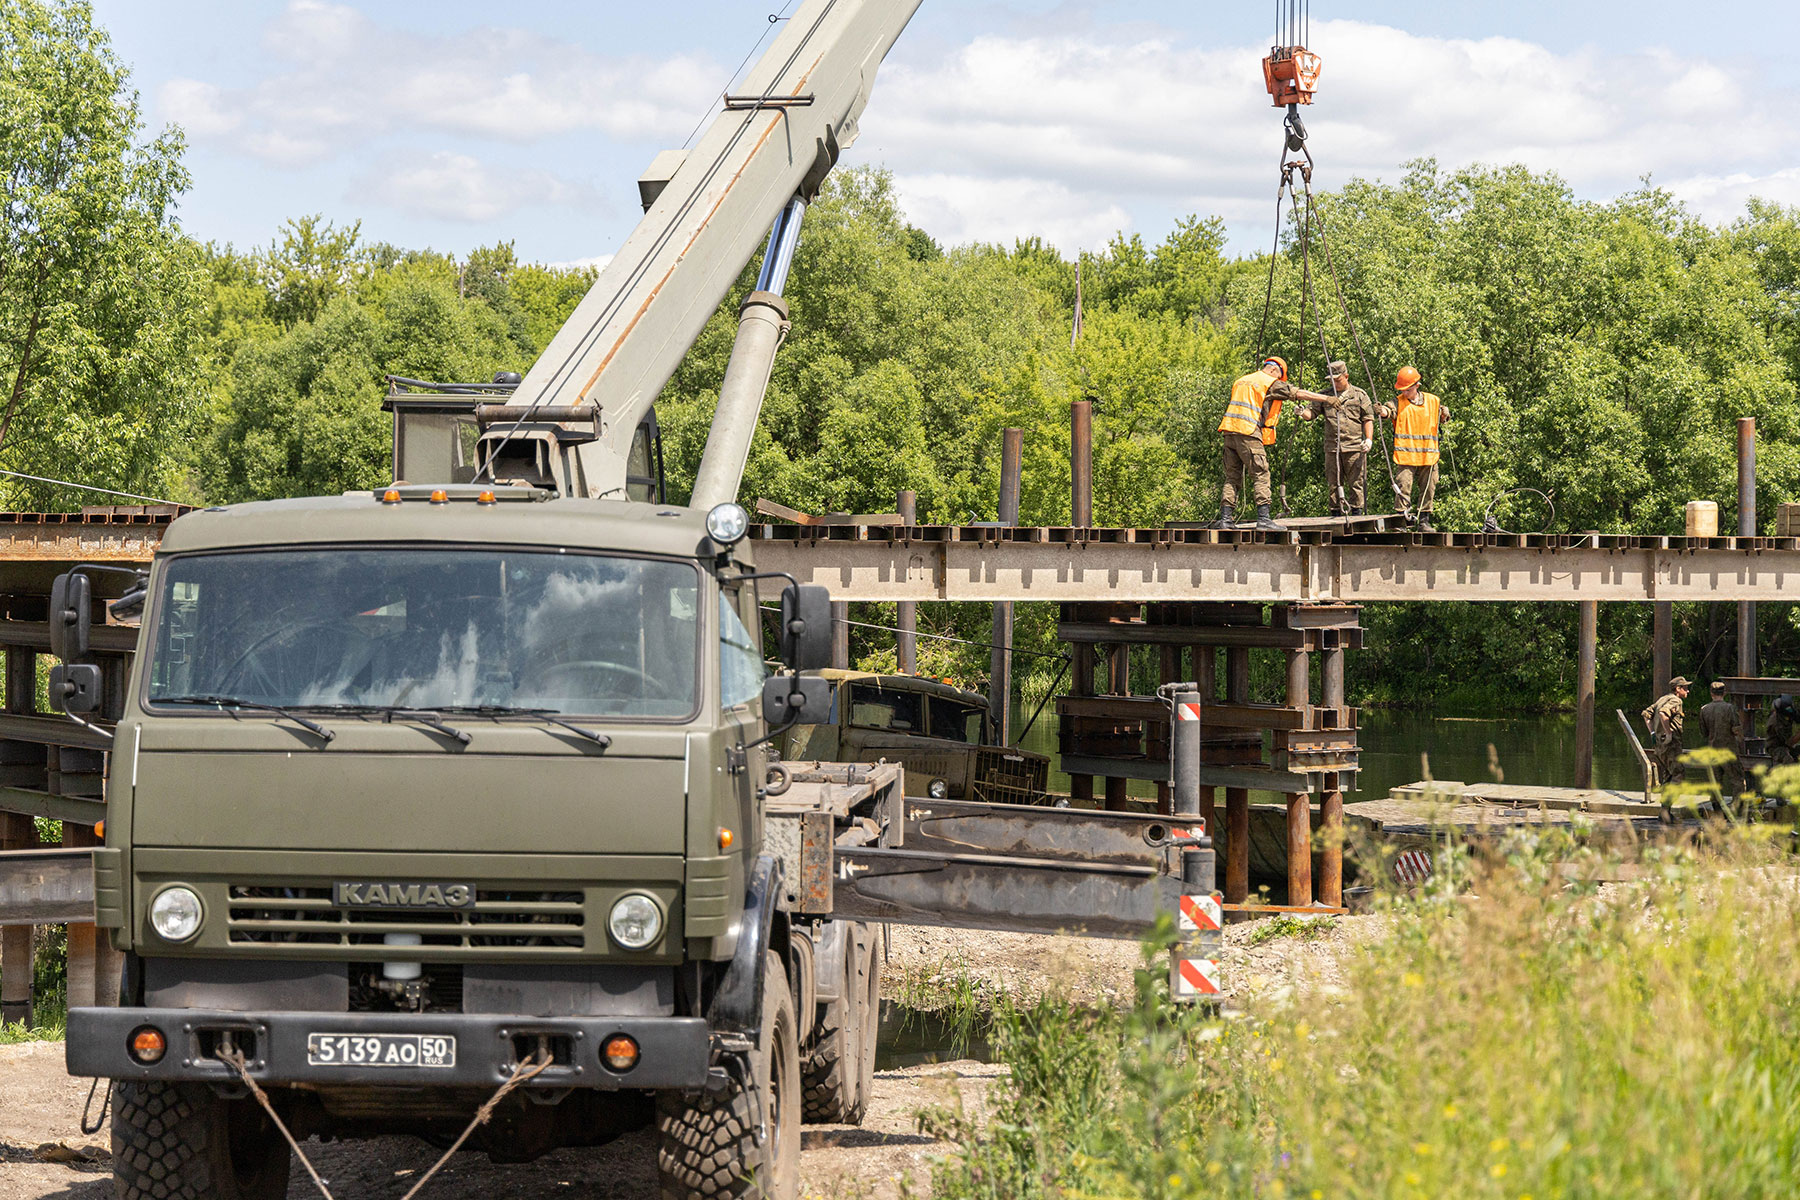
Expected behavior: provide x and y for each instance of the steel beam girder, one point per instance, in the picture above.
(39, 887)
(1027, 831)
(1019, 895)
(1148, 571)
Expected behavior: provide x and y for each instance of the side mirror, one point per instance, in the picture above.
(75, 687)
(130, 606)
(795, 699)
(806, 627)
(71, 616)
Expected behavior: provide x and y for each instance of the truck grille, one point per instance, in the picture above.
(1005, 776)
(264, 915)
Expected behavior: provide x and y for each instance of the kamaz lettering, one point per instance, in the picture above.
(403, 895)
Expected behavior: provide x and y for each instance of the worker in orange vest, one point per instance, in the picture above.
(1247, 428)
(1418, 417)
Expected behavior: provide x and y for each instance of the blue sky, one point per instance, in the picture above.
(455, 124)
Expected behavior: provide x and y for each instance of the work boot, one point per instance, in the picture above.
(1227, 517)
(1266, 523)
(1425, 525)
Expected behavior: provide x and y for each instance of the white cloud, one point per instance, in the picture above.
(959, 209)
(349, 80)
(594, 262)
(458, 187)
(1074, 132)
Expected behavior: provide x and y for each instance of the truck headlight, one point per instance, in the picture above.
(727, 523)
(938, 789)
(636, 921)
(175, 914)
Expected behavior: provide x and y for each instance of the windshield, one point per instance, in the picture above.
(571, 633)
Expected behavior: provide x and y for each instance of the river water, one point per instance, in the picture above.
(1402, 747)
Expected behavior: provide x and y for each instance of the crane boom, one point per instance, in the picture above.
(798, 109)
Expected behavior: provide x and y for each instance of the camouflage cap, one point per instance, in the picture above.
(1718, 687)
(1336, 367)
(1680, 681)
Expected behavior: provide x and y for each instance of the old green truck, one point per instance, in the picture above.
(416, 788)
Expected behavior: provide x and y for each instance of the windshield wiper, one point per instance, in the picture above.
(424, 716)
(543, 714)
(312, 727)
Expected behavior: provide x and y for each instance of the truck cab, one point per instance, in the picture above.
(942, 734)
(420, 791)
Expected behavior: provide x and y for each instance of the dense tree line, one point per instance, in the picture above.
(1595, 352)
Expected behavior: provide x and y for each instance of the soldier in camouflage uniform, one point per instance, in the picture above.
(1778, 734)
(1664, 720)
(1723, 728)
(1349, 435)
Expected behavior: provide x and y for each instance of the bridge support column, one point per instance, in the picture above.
(907, 620)
(1299, 804)
(1330, 882)
(1237, 800)
(1663, 646)
(1588, 640)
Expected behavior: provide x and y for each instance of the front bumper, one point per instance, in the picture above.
(675, 1051)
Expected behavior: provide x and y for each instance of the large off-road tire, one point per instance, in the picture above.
(711, 1146)
(831, 1063)
(181, 1141)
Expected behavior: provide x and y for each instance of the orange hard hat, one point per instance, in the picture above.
(1278, 361)
(1407, 377)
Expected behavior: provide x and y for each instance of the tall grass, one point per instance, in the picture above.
(1514, 1035)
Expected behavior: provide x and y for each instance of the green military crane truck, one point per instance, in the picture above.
(458, 797)
(416, 790)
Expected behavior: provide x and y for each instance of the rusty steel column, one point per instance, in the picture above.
(1237, 800)
(1299, 804)
(1168, 670)
(1206, 660)
(1586, 653)
(1081, 464)
(1330, 883)
(1118, 671)
(17, 832)
(907, 620)
(1000, 655)
(840, 634)
(1746, 448)
(1662, 639)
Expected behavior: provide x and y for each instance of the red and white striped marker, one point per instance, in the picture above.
(1195, 977)
(1196, 830)
(1187, 712)
(1201, 914)
(1413, 867)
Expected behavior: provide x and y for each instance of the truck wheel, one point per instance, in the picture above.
(714, 1145)
(831, 1060)
(182, 1141)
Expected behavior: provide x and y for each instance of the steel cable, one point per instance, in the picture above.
(1356, 339)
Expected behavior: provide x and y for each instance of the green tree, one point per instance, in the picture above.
(101, 297)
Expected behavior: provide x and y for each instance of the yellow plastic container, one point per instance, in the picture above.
(1702, 518)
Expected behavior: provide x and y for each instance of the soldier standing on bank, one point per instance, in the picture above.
(1349, 436)
(1779, 732)
(1418, 419)
(1247, 428)
(1664, 720)
(1723, 728)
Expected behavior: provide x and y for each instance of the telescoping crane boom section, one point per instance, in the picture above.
(707, 211)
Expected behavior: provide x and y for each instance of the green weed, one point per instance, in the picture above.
(1284, 925)
(1513, 1035)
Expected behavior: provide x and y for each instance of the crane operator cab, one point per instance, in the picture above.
(459, 432)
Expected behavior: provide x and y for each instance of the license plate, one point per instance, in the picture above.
(380, 1050)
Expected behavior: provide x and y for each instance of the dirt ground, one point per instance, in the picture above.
(44, 1156)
